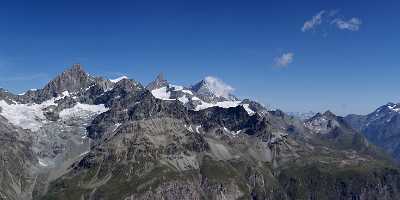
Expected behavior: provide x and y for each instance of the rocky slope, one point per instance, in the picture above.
(17, 162)
(381, 127)
(94, 138)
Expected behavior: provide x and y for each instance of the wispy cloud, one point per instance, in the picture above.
(352, 24)
(313, 22)
(284, 60)
(331, 18)
(218, 87)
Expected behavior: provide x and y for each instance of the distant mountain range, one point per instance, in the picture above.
(85, 137)
(381, 127)
(302, 115)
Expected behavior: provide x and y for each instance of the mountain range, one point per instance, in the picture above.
(381, 127)
(85, 137)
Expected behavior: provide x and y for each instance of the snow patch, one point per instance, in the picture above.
(394, 107)
(187, 92)
(26, 116)
(176, 87)
(183, 99)
(43, 163)
(118, 79)
(234, 133)
(82, 110)
(198, 128)
(222, 104)
(196, 99)
(161, 93)
(189, 128)
(65, 94)
(248, 110)
(84, 153)
(116, 126)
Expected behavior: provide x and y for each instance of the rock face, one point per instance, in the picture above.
(159, 82)
(17, 160)
(119, 140)
(381, 127)
(338, 132)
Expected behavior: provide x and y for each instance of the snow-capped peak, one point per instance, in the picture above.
(118, 79)
(213, 86)
(394, 107)
(210, 92)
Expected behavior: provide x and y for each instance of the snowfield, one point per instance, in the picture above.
(222, 104)
(24, 115)
(162, 93)
(31, 116)
(82, 110)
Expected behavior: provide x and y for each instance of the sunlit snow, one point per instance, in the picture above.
(31, 116)
(183, 99)
(222, 104)
(82, 110)
(162, 93)
(118, 79)
(27, 116)
(176, 87)
(394, 108)
(248, 110)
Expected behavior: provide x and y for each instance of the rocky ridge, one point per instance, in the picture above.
(381, 127)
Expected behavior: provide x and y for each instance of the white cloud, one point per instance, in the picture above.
(352, 24)
(218, 87)
(315, 21)
(331, 18)
(284, 60)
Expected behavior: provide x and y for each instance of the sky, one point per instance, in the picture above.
(297, 56)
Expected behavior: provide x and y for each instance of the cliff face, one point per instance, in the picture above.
(16, 162)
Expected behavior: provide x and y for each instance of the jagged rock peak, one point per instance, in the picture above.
(329, 114)
(200, 86)
(128, 85)
(76, 71)
(160, 77)
(72, 80)
(393, 107)
(157, 83)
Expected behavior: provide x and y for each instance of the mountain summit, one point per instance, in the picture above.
(381, 127)
(213, 89)
(71, 80)
(159, 82)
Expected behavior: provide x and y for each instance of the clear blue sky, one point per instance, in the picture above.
(346, 71)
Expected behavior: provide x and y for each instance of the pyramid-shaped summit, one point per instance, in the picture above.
(159, 82)
(211, 89)
(72, 80)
